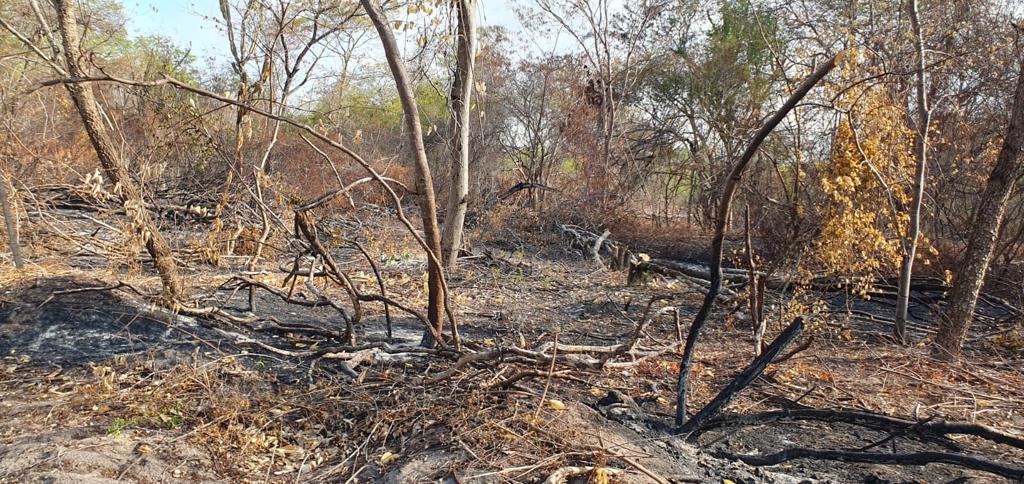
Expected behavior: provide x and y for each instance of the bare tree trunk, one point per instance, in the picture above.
(424, 184)
(984, 230)
(113, 167)
(11, 224)
(914, 230)
(462, 89)
(755, 285)
(724, 209)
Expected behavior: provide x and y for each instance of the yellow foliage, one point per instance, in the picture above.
(863, 182)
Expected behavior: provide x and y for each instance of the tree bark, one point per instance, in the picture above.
(724, 208)
(914, 230)
(462, 89)
(755, 286)
(113, 166)
(983, 232)
(11, 224)
(424, 183)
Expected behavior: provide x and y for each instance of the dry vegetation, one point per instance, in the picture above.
(728, 241)
(217, 401)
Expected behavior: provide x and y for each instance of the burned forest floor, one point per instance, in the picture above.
(98, 383)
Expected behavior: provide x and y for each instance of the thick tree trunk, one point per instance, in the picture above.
(914, 230)
(11, 224)
(113, 167)
(724, 209)
(424, 184)
(984, 230)
(462, 89)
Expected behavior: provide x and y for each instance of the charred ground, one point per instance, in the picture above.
(102, 384)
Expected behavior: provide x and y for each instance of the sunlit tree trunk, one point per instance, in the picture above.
(983, 231)
(11, 224)
(462, 89)
(914, 230)
(424, 184)
(113, 166)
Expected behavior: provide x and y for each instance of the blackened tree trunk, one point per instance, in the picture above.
(724, 209)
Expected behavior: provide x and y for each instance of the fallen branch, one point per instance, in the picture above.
(462, 362)
(645, 319)
(1008, 471)
(745, 378)
(527, 374)
(80, 290)
(892, 436)
(877, 421)
(380, 284)
(803, 346)
(518, 187)
(643, 470)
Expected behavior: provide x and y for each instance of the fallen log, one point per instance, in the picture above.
(672, 268)
(877, 421)
(1008, 471)
(587, 242)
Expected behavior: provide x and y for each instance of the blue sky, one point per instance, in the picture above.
(188, 23)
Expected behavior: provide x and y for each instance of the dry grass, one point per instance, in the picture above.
(261, 416)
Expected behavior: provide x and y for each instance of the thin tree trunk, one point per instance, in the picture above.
(754, 285)
(424, 184)
(11, 224)
(113, 167)
(724, 208)
(462, 89)
(914, 230)
(984, 230)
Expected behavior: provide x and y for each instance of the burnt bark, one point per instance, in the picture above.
(724, 208)
(876, 421)
(745, 378)
(1008, 471)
